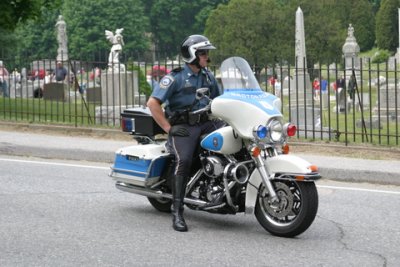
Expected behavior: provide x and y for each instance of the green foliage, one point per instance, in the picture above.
(144, 86)
(12, 12)
(250, 32)
(363, 20)
(87, 20)
(171, 21)
(323, 43)
(262, 31)
(380, 56)
(36, 38)
(387, 31)
(15, 13)
(375, 5)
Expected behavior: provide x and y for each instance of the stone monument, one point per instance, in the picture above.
(117, 42)
(389, 95)
(59, 91)
(352, 63)
(62, 51)
(301, 94)
(119, 87)
(389, 102)
(350, 53)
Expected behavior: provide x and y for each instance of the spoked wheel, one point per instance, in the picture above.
(295, 211)
(161, 204)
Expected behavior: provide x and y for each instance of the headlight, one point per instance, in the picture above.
(275, 128)
(271, 133)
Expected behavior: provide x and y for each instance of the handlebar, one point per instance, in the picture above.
(202, 110)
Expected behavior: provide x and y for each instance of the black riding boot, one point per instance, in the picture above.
(178, 193)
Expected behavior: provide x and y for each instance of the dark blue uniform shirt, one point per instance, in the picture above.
(178, 89)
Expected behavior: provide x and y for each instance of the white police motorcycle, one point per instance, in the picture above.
(242, 167)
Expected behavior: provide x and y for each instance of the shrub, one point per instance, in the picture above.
(381, 56)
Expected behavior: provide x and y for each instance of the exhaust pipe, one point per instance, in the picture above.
(130, 188)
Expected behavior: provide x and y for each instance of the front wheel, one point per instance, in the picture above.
(296, 210)
(161, 204)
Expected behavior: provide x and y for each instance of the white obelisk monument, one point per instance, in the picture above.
(62, 51)
(301, 93)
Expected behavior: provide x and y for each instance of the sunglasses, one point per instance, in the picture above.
(202, 52)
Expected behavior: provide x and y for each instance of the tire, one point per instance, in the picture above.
(161, 204)
(294, 214)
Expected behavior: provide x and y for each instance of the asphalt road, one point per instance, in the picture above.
(87, 146)
(67, 213)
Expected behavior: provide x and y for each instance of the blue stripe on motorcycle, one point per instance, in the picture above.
(255, 97)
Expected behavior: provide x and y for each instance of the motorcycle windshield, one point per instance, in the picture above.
(236, 74)
(243, 98)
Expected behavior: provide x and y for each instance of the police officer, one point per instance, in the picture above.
(178, 90)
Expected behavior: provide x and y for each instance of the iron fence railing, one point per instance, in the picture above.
(353, 105)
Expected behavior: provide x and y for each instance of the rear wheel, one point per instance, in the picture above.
(161, 204)
(296, 210)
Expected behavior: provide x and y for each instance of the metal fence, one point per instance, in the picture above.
(325, 102)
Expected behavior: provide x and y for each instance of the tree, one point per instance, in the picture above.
(36, 38)
(359, 13)
(13, 12)
(323, 33)
(363, 20)
(171, 21)
(260, 32)
(87, 21)
(387, 30)
(375, 5)
(265, 30)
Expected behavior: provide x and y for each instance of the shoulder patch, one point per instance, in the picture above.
(166, 81)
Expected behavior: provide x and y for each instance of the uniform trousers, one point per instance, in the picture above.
(184, 147)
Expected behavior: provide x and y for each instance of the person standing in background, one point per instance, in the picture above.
(60, 72)
(4, 75)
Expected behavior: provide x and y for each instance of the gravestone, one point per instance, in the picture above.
(389, 102)
(341, 101)
(369, 124)
(93, 94)
(55, 91)
(364, 97)
(325, 99)
(119, 88)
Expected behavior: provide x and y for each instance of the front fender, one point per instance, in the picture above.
(282, 165)
(288, 164)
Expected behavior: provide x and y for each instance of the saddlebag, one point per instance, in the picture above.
(140, 164)
(139, 121)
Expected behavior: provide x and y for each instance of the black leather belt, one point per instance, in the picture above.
(186, 118)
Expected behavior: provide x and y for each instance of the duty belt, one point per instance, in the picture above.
(187, 118)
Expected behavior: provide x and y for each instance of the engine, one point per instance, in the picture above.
(213, 166)
(216, 166)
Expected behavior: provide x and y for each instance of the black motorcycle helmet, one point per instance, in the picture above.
(193, 43)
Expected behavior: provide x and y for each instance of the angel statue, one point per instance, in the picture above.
(117, 42)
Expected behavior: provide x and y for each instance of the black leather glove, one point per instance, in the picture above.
(178, 130)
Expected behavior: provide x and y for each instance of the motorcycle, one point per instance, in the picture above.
(243, 166)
